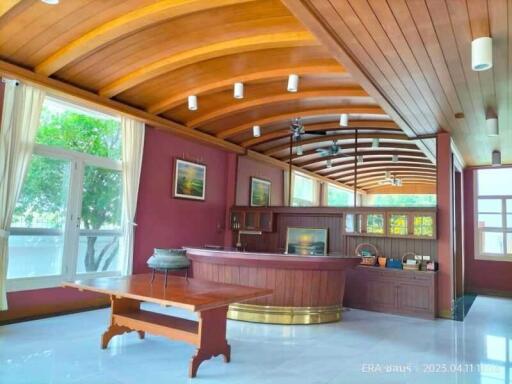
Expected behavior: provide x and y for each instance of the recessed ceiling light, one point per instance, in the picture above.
(481, 54)
(192, 102)
(238, 90)
(293, 83)
(51, 2)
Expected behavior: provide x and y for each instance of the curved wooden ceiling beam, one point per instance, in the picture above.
(330, 138)
(236, 107)
(349, 180)
(400, 175)
(384, 168)
(370, 164)
(7, 5)
(404, 178)
(206, 52)
(366, 109)
(220, 84)
(350, 162)
(126, 24)
(331, 126)
(350, 157)
(408, 181)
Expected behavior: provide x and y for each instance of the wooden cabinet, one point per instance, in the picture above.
(252, 219)
(367, 224)
(411, 293)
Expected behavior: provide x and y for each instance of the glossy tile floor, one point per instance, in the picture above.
(365, 348)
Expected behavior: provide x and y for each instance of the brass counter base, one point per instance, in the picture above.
(284, 315)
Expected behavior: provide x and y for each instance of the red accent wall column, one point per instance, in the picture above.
(445, 224)
(231, 183)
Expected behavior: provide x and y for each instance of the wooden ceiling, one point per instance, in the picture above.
(414, 58)
(146, 56)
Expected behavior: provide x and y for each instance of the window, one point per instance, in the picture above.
(398, 224)
(375, 224)
(67, 220)
(304, 191)
(493, 219)
(423, 226)
(399, 200)
(338, 197)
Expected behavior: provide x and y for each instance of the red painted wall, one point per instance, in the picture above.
(480, 276)
(249, 167)
(163, 221)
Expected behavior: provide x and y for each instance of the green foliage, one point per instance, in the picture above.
(401, 200)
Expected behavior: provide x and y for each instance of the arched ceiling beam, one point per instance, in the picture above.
(407, 181)
(367, 109)
(369, 165)
(220, 84)
(206, 52)
(330, 138)
(7, 5)
(330, 126)
(237, 107)
(384, 168)
(349, 180)
(124, 25)
(350, 162)
(401, 175)
(350, 157)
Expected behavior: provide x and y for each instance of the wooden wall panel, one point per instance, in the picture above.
(394, 247)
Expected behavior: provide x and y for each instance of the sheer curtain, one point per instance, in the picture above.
(20, 120)
(132, 147)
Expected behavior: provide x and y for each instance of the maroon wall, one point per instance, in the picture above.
(163, 221)
(480, 276)
(249, 167)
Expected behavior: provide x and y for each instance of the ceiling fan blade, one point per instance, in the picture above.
(323, 152)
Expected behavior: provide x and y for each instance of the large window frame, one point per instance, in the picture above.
(72, 230)
(479, 231)
(316, 190)
(341, 189)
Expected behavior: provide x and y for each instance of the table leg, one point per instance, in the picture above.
(212, 338)
(119, 306)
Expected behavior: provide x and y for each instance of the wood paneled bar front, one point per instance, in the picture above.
(307, 289)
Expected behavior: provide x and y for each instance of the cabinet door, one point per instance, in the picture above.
(382, 295)
(424, 225)
(375, 224)
(251, 220)
(266, 222)
(415, 299)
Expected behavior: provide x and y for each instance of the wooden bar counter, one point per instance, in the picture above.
(307, 289)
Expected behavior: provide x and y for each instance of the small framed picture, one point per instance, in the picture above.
(189, 180)
(260, 192)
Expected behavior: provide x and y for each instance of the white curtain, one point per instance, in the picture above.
(20, 120)
(132, 147)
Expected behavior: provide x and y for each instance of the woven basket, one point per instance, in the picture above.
(410, 267)
(362, 252)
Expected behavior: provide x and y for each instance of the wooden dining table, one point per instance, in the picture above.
(209, 299)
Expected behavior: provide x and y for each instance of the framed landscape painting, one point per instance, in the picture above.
(189, 180)
(260, 192)
(306, 241)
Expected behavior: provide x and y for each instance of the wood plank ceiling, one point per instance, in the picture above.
(414, 57)
(151, 55)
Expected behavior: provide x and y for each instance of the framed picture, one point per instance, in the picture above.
(306, 241)
(260, 192)
(189, 180)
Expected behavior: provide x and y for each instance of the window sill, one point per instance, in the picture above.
(43, 282)
(493, 258)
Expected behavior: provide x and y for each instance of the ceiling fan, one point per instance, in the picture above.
(391, 180)
(333, 150)
(297, 129)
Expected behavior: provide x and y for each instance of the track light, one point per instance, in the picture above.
(192, 102)
(491, 124)
(481, 54)
(329, 163)
(343, 120)
(375, 142)
(238, 90)
(496, 158)
(256, 131)
(293, 83)
(299, 150)
(394, 159)
(360, 159)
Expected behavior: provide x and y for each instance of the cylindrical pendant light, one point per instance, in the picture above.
(343, 120)
(192, 102)
(492, 127)
(394, 159)
(299, 150)
(375, 142)
(387, 174)
(238, 90)
(293, 83)
(329, 163)
(496, 158)
(360, 159)
(256, 131)
(481, 54)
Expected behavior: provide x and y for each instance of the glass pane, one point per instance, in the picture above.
(509, 243)
(509, 205)
(494, 182)
(492, 242)
(337, 197)
(490, 220)
(303, 191)
(43, 199)
(400, 200)
(398, 225)
(423, 226)
(71, 127)
(101, 199)
(509, 221)
(98, 253)
(31, 256)
(375, 224)
(350, 223)
(489, 205)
